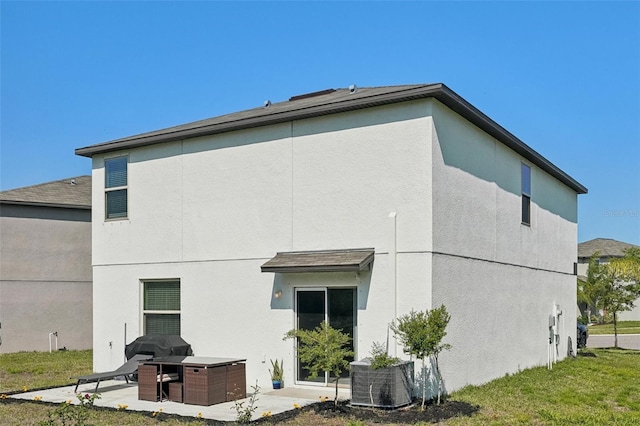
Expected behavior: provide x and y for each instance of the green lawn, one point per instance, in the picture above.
(624, 327)
(589, 390)
(42, 369)
(599, 390)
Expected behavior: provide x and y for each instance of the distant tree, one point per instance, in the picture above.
(615, 286)
(323, 349)
(421, 334)
(588, 289)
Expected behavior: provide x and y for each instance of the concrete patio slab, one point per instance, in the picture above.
(118, 392)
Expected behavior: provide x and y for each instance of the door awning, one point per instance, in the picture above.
(321, 261)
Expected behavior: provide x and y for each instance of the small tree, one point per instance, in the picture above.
(588, 292)
(616, 285)
(421, 334)
(323, 349)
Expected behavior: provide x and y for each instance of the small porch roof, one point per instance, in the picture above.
(349, 260)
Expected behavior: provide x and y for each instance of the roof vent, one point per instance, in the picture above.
(353, 88)
(73, 181)
(311, 95)
(267, 103)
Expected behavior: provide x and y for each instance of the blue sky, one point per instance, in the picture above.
(562, 76)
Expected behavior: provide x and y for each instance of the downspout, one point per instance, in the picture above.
(51, 337)
(554, 333)
(393, 255)
(557, 335)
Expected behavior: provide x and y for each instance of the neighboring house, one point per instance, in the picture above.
(607, 249)
(45, 266)
(353, 205)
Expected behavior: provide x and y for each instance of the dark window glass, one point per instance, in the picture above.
(526, 179)
(526, 210)
(526, 193)
(117, 203)
(116, 178)
(116, 172)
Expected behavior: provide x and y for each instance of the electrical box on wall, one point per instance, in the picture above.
(552, 321)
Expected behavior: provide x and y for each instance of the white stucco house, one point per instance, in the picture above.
(352, 205)
(607, 249)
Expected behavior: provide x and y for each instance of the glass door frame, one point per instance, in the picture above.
(325, 290)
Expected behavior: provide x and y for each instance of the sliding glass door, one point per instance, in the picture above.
(337, 306)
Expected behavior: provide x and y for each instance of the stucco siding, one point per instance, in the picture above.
(229, 308)
(351, 170)
(632, 315)
(499, 317)
(237, 194)
(477, 201)
(30, 310)
(499, 278)
(45, 278)
(42, 248)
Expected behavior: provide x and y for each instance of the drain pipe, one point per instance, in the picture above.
(51, 335)
(556, 351)
(393, 255)
(552, 323)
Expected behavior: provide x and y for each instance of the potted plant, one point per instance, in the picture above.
(276, 374)
(381, 380)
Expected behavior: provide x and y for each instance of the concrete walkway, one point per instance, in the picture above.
(118, 392)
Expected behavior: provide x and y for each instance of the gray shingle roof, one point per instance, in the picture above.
(607, 248)
(69, 193)
(332, 102)
(320, 261)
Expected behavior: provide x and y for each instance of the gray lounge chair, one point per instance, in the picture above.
(126, 369)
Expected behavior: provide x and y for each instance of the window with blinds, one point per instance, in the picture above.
(161, 307)
(115, 185)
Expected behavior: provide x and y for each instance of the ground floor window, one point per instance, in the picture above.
(161, 307)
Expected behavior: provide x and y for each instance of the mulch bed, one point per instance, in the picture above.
(406, 415)
(410, 414)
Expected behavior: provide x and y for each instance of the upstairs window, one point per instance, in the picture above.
(526, 194)
(161, 307)
(116, 187)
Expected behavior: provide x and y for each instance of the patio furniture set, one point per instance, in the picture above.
(167, 370)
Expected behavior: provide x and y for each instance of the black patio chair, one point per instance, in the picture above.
(126, 369)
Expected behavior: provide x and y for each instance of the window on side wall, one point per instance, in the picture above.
(116, 187)
(161, 307)
(526, 194)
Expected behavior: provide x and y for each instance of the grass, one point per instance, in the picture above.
(624, 327)
(588, 390)
(42, 369)
(604, 389)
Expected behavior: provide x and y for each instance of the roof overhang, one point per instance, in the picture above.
(291, 112)
(350, 260)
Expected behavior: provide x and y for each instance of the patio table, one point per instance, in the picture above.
(192, 380)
